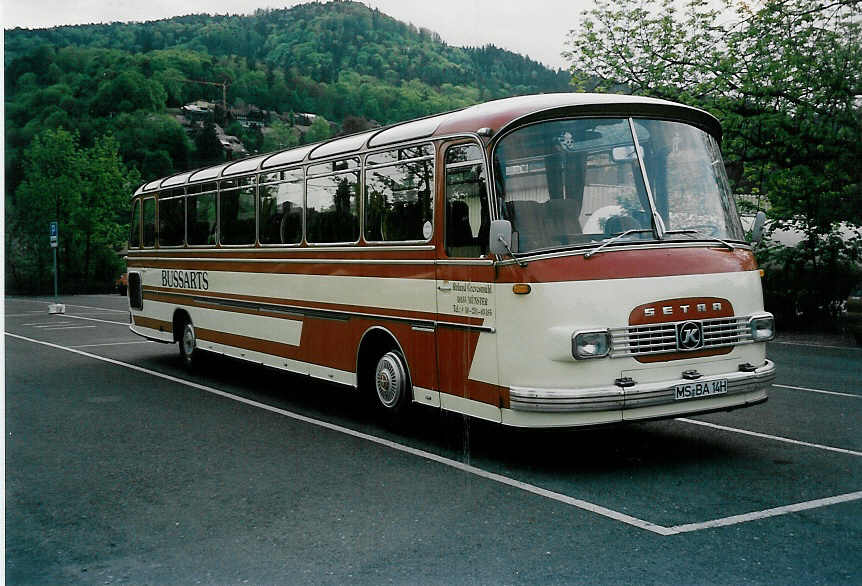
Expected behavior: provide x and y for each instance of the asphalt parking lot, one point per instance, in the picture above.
(121, 467)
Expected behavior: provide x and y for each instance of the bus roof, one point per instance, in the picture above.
(493, 118)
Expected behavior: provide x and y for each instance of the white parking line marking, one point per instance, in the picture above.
(818, 391)
(530, 488)
(65, 327)
(28, 314)
(104, 321)
(42, 324)
(816, 345)
(44, 301)
(113, 343)
(795, 508)
(771, 437)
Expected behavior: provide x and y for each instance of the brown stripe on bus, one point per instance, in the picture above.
(155, 324)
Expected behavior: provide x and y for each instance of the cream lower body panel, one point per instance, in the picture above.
(470, 407)
(536, 419)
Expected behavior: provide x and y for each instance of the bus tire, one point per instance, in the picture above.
(392, 387)
(188, 344)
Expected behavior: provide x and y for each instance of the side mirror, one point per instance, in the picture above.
(757, 230)
(500, 237)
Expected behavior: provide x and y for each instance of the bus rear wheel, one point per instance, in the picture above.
(392, 386)
(188, 344)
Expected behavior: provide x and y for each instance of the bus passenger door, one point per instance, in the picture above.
(466, 313)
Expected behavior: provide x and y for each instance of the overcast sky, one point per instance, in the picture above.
(536, 28)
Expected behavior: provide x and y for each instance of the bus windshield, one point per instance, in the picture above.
(581, 182)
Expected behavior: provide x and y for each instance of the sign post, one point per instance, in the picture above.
(55, 307)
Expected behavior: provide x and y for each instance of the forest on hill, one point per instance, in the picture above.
(110, 95)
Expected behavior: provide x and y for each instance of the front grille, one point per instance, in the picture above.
(136, 297)
(661, 338)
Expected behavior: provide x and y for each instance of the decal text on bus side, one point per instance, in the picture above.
(473, 299)
(185, 279)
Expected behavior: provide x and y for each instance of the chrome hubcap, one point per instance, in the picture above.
(389, 379)
(188, 340)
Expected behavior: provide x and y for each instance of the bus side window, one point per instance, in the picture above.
(280, 206)
(332, 202)
(236, 211)
(150, 222)
(172, 217)
(398, 195)
(135, 226)
(201, 215)
(467, 214)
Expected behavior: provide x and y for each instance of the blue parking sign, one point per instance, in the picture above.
(53, 233)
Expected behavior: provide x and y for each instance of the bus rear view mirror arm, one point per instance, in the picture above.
(500, 237)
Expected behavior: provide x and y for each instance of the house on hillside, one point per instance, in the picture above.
(232, 146)
(199, 111)
(250, 116)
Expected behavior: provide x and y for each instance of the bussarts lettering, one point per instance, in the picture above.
(185, 279)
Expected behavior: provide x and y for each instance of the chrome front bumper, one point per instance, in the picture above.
(614, 398)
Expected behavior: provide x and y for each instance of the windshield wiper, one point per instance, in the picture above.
(703, 236)
(616, 238)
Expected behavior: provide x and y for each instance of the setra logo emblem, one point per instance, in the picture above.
(689, 335)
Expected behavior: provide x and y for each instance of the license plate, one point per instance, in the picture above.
(695, 390)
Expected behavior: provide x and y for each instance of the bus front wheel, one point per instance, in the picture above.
(391, 383)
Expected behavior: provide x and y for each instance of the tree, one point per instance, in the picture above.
(86, 191)
(280, 136)
(209, 149)
(794, 132)
(155, 144)
(352, 124)
(319, 130)
(784, 78)
(127, 92)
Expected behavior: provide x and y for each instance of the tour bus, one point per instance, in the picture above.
(540, 261)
